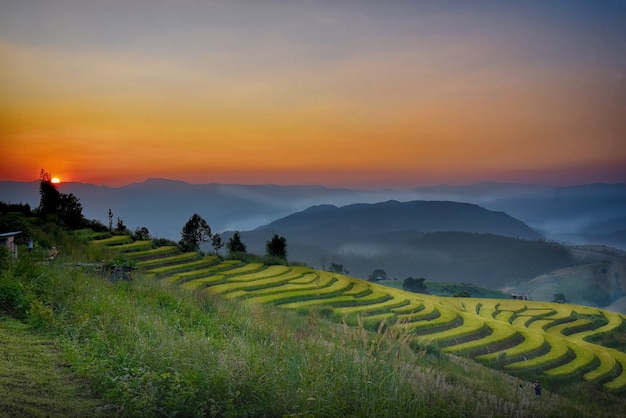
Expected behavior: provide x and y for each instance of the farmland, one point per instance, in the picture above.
(529, 339)
(187, 334)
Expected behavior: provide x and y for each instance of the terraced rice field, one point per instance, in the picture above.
(523, 337)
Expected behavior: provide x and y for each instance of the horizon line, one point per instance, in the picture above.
(362, 188)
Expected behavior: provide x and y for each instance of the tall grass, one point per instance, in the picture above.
(153, 349)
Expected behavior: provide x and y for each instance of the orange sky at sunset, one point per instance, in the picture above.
(356, 94)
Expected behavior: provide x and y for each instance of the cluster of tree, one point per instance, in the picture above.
(67, 210)
(414, 285)
(141, 233)
(13, 221)
(65, 207)
(337, 268)
(377, 275)
(487, 259)
(462, 294)
(197, 231)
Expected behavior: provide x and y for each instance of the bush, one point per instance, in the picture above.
(163, 242)
(13, 298)
(5, 258)
(324, 311)
(274, 261)
(39, 315)
(36, 289)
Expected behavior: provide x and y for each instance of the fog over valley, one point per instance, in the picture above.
(497, 235)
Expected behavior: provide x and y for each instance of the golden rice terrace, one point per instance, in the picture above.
(526, 338)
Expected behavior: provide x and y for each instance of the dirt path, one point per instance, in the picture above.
(34, 381)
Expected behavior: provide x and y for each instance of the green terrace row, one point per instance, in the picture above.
(520, 336)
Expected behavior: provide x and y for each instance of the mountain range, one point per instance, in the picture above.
(434, 238)
(594, 213)
(446, 241)
(491, 234)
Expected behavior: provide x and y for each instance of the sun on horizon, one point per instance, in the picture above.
(55, 180)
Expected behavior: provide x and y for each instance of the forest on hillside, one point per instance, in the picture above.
(483, 259)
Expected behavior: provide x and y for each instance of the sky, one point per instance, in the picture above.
(363, 94)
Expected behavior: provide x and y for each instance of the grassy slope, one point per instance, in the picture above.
(556, 357)
(35, 380)
(161, 350)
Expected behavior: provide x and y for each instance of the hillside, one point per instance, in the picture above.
(524, 338)
(177, 339)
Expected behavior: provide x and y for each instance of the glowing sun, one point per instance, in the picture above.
(55, 180)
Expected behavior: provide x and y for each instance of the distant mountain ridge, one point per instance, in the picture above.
(593, 213)
(446, 242)
(391, 216)
(500, 245)
(395, 236)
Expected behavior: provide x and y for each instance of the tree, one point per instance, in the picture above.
(49, 195)
(217, 243)
(66, 206)
(559, 298)
(337, 268)
(120, 229)
(462, 294)
(195, 231)
(12, 222)
(377, 275)
(414, 285)
(141, 234)
(71, 211)
(276, 247)
(110, 220)
(235, 245)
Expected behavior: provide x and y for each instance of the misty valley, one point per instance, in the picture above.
(536, 240)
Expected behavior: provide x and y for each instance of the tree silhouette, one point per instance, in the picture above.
(337, 268)
(216, 242)
(276, 247)
(195, 231)
(71, 211)
(49, 195)
(235, 245)
(377, 275)
(141, 233)
(414, 285)
(52, 202)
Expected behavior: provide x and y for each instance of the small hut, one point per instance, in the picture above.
(7, 239)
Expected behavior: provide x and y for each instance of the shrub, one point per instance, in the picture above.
(163, 242)
(13, 297)
(324, 311)
(39, 315)
(5, 258)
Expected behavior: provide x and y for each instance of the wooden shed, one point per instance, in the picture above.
(7, 239)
